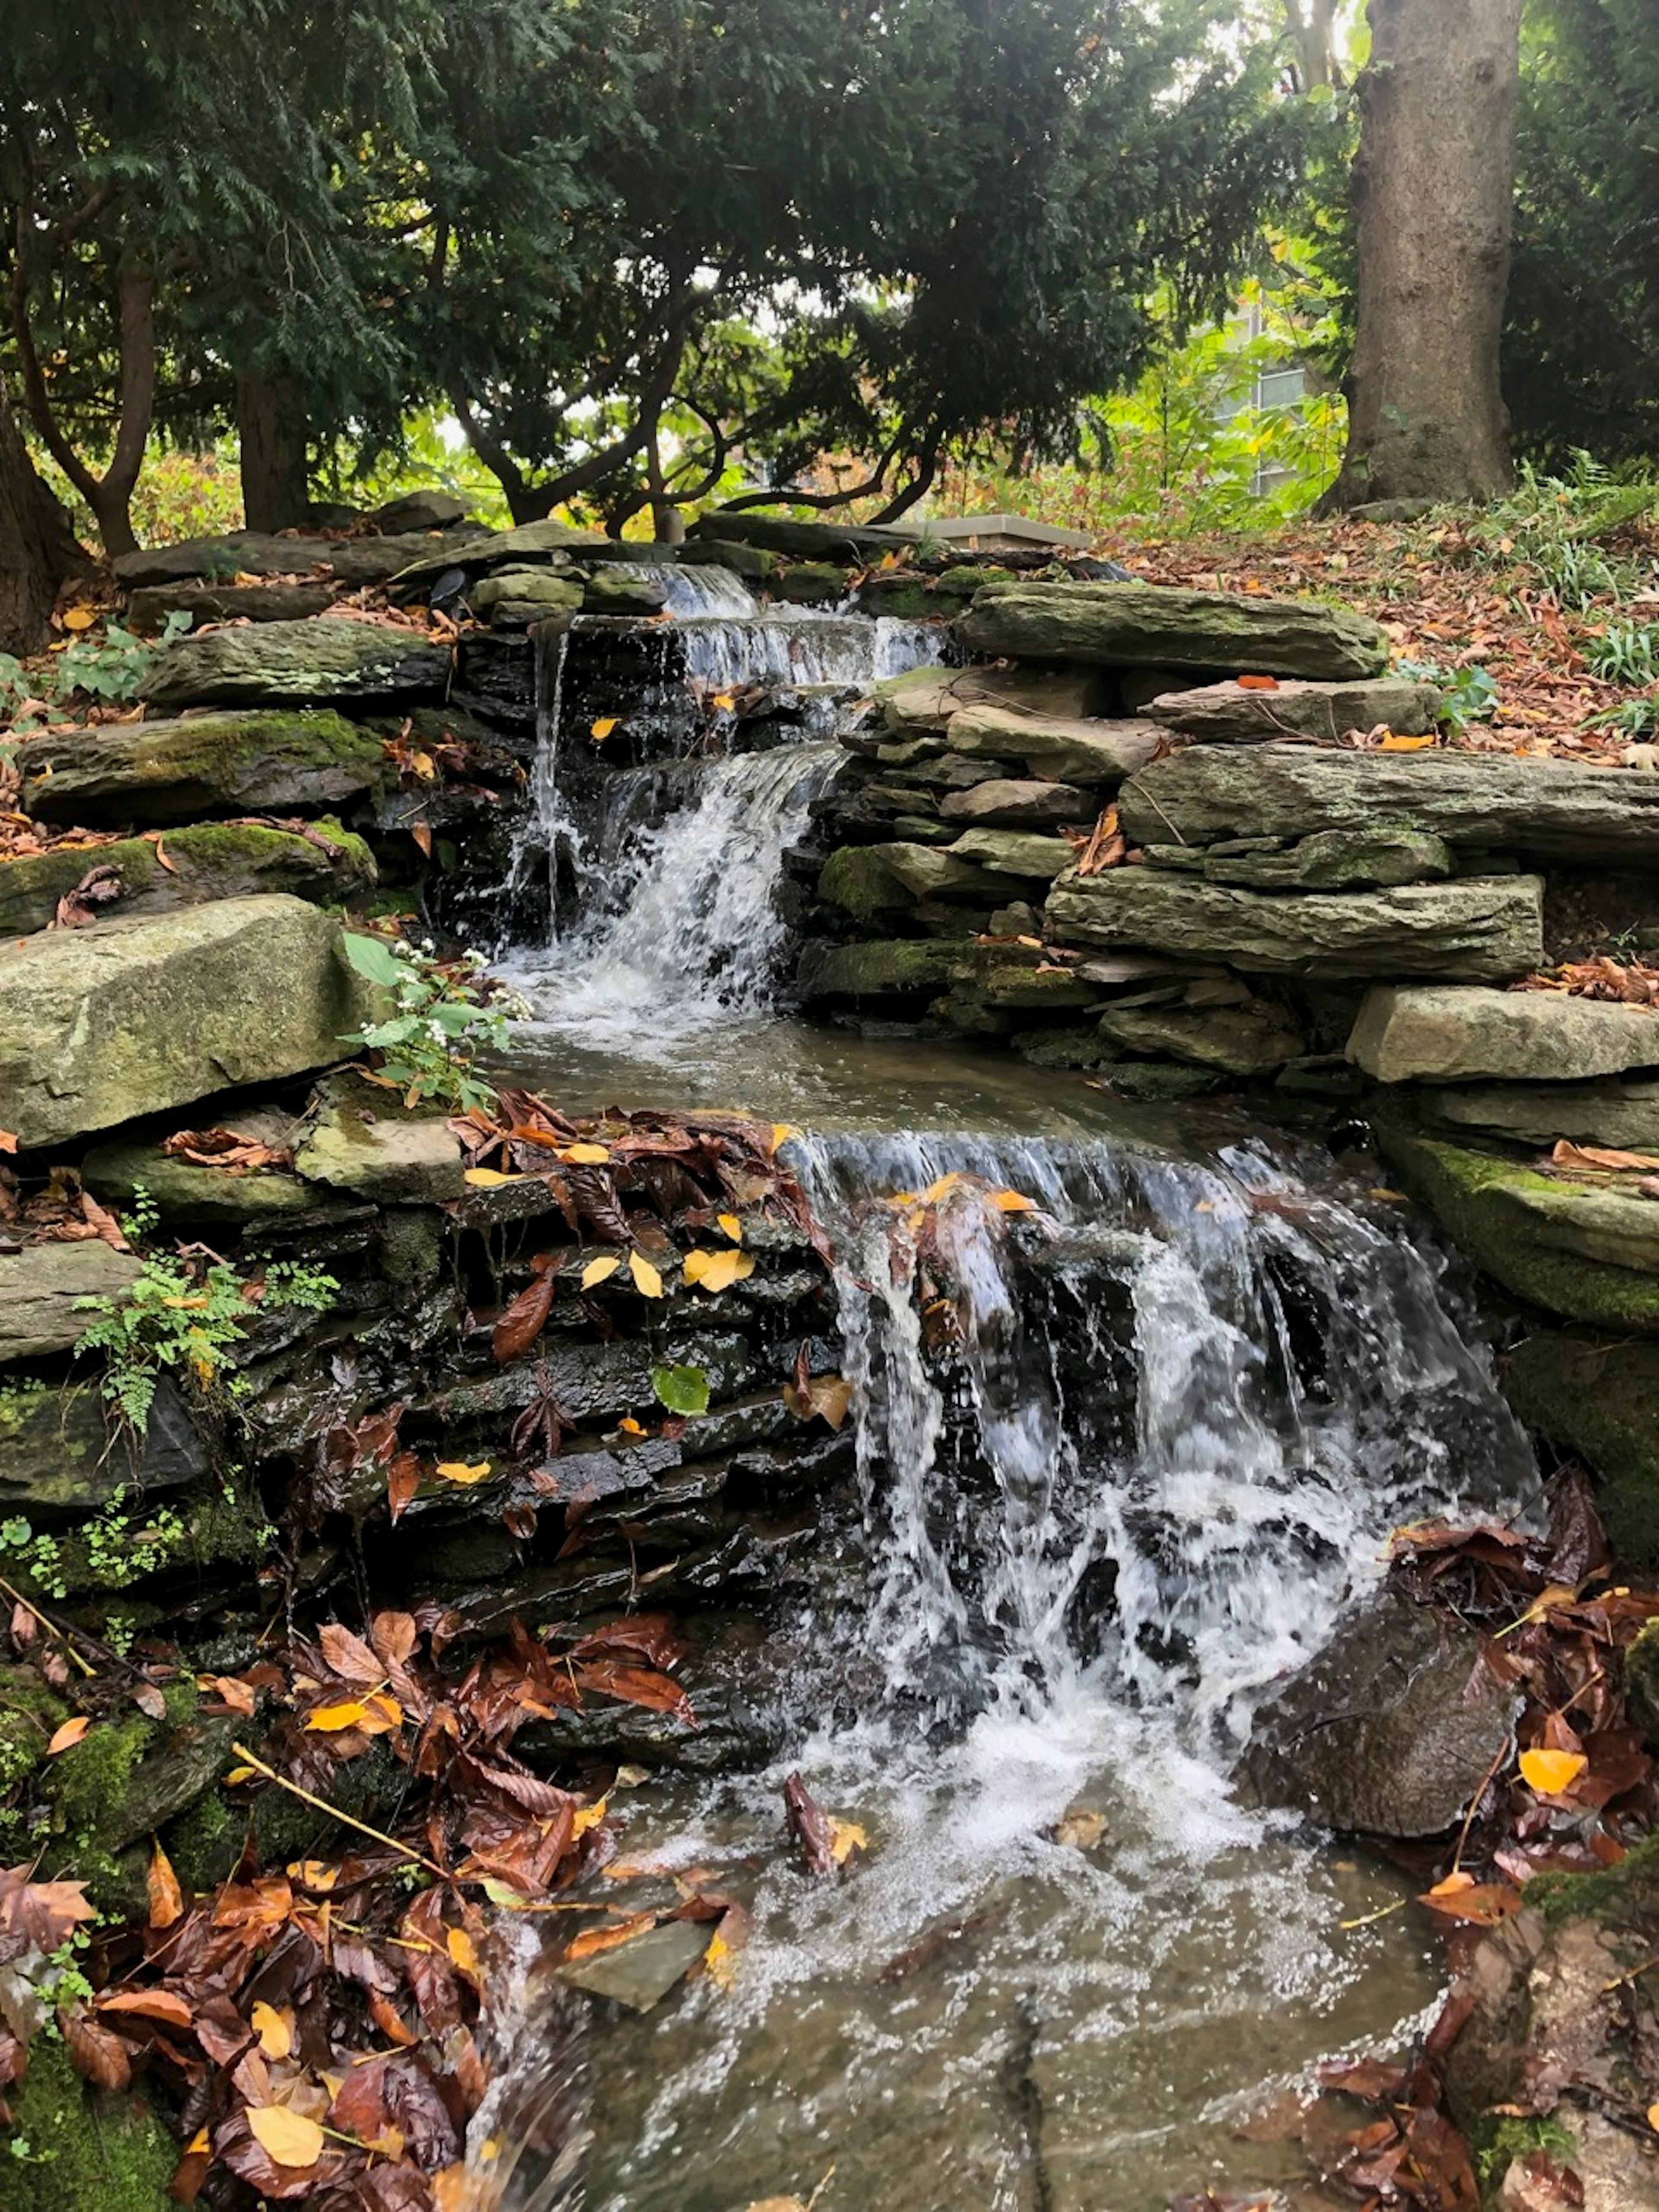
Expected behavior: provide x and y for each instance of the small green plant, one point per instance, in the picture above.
(1634, 718)
(1563, 528)
(447, 1011)
(1626, 653)
(1468, 694)
(121, 1547)
(108, 669)
(177, 1315)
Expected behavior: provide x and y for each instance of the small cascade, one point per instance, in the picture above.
(802, 648)
(700, 593)
(685, 931)
(1101, 1442)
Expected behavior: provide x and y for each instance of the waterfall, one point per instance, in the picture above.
(710, 591)
(806, 649)
(688, 932)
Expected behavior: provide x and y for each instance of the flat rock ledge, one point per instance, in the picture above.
(206, 861)
(284, 762)
(269, 663)
(1239, 714)
(1477, 802)
(1482, 928)
(1155, 625)
(105, 1024)
(1454, 1035)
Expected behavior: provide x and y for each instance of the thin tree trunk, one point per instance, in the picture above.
(1435, 186)
(273, 432)
(39, 551)
(109, 497)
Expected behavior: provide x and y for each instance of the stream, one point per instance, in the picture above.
(1123, 1462)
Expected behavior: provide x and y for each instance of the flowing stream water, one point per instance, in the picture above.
(1124, 1459)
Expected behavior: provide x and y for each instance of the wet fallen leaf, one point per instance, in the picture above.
(458, 1470)
(822, 1397)
(167, 1899)
(1012, 1201)
(585, 1155)
(70, 1733)
(287, 2137)
(603, 727)
(714, 1271)
(1550, 1772)
(846, 1837)
(646, 1280)
(163, 2005)
(488, 1178)
(599, 1271)
(274, 2029)
(731, 1225)
(1566, 1155)
(1081, 1831)
(592, 1940)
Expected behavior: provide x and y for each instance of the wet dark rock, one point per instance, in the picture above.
(801, 541)
(1390, 1731)
(348, 560)
(156, 774)
(149, 606)
(641, 1973)
(1598, 1396)
(901, 969)
(61, 1455)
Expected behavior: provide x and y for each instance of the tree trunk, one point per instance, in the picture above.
(1434, 187)
(39, 551)
(272, 428)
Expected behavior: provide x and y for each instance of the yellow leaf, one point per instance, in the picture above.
(599, 1271)
(1550, 1772)
(240, 1774)
(488, 1178)
(942, 1188)
(70, 1733)
(1012, 1201)
(731, 1225)
(718, 1271)
(327, 1719)
(647, 1281)
(725, 700)
(589, 1817)
(274, 2030)
(1653, 2117)
(1455, 1881)
(463, 1951)
(79, 617)
(603, 728)
(782, 1133)
(720, 1962)
(630, 1427)
(846, 1837)
(198, 2143)
(1394, 743)
(457, 1470)
(287, 2138)
(585, 1156)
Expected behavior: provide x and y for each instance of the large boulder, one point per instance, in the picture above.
(104, 1024)
(1231, 713)
(1601, 1400)
(1480, 927)
(1580, 1249)
(1074, 749)
(1480, 802)
(801, 541)
(158, 773)
(1392, 1730)
(1137, 625)
(208, 861)
(332, 658)
(1437, 1034)
(43, 1287)
(349, 561)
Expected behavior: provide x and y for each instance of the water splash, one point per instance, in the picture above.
(691, 933)
(802, 648)
(698, 591)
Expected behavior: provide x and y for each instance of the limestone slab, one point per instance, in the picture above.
(153, 775)
(41, 1289)
(131, 1017)
(1611, 1113)
(1489, 802)
(1241, 713)
(208, 860)
(1482, 928)
(1452, 1035)
(330, 658)
(1017, 803)
(1096, 752)
(1132, 625)
(927, 698)
(360, 1140)
(1014, 852)
(350, 560)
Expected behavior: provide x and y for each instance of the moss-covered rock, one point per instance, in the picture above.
(1600, 1399)
(74, 2149)
(810, 584)
(182, 1190)
(330, 658)
(891, 969)
(1130, 625)
(131, 1017)
(59, 1457)
(358, 1139)
(207, 860)
(1251, 1039)
(609, 592)
(543, 588)
(1588, 1253)
(162, 772)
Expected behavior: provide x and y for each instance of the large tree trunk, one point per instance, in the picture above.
(271, 425)
(1435, 186)
(39, 551)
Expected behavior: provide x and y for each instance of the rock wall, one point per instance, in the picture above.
(1092, 849)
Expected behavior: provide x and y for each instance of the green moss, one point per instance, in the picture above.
(1601, 1400)
(1627, 1894)
(812, 584)
(894, 968)
(1480, 1199)
(95, 1774)
(29, 1712)
(205, 1843)
(70, 2151)
(1499, 2141)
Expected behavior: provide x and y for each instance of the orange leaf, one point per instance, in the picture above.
(1550, 1772)
(1257, 683)
(8, 1142)
(1395, 743)
(167, 1899)
(71, 1732)
(603, 728)
(607, 1939)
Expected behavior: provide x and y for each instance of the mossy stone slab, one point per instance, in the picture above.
(888, 968)
(271, 663)
(1132, 625)
(1450, 1035)
(204, 861)
(1072, 749)
(42, 1289)
(1243, 713)
(158, 774)
(360, 1140)
(131, 1017)
(1600, 1398)
(61, 1458)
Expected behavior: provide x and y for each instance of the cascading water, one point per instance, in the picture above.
(1133, 1417)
